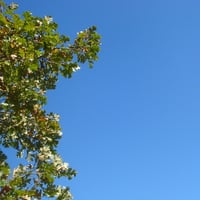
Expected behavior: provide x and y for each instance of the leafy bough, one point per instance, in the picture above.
(32, 57)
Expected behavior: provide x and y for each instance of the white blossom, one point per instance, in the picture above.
(13, 6)
(65, 165)
(60, 190)
(79, 32)
(44, 154)
(49, 19)
(4, 104)
(76, 68)
(13, 56)
(39, 22)
(60, 133)
(26, 197)
(56, 117)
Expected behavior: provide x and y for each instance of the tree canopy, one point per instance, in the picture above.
(32, 57)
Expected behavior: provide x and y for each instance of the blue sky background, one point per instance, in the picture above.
(131, 125)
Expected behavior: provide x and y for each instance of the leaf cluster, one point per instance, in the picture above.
(32, 56)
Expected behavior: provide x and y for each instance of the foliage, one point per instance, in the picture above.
(32, 57)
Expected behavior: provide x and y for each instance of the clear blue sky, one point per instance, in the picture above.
(132, 124)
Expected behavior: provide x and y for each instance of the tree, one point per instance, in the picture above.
(32, 57)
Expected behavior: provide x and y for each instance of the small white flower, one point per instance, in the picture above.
(60, 133)
(13, 56)
(13, 6)
(49, 19)
(39, 22)
(49, 139)
(79, 32)
(76, 68)
(56, 117)
(26, 197)
(4, 104)
(65, 165)
(41, 157)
